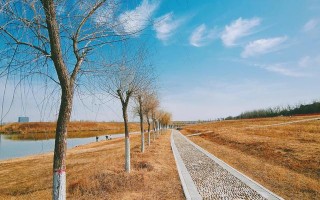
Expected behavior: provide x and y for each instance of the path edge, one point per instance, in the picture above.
(189, 188)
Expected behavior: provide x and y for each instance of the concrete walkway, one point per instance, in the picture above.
(213, 178)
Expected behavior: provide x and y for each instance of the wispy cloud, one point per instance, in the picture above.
(262, 46)
(283, 69)
(308, 61)
(310, 25)
(201, 36)
(133, 21)
(165, 26)
(237, 29)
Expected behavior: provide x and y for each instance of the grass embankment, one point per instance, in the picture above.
(96, 171)
(285, 159)
(46, 130)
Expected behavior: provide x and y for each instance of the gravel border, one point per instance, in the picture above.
(189, 188)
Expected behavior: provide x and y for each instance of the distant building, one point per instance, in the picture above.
(23, 119)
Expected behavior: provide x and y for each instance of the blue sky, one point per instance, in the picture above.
(217, 58)
(225, 57)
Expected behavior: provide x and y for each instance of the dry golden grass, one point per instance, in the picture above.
(285, 159)
(46, 130)
(95, 171)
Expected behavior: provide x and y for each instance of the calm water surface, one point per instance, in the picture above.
(19, 148)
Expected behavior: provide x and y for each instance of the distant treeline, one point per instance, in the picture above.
(301, 109)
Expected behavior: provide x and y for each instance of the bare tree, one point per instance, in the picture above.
(154, 122)
(151, 104)
(140, 100)
(145, 102)
(126, 79)
(165, 119)
(159, 114)
(55, 39)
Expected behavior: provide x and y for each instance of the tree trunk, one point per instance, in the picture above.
(154, 129)
(148, 129)
(67, 86)
(141, 124)
(60, 148)
(127, 138)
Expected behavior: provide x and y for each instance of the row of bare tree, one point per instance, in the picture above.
(133, 80)
(78, 44)
(147, 108)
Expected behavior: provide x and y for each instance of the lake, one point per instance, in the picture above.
(20, 148)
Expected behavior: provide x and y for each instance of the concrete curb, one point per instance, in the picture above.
(189, 188)
(264, 192)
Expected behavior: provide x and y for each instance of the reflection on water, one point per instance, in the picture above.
(19, 148)
(11, 148)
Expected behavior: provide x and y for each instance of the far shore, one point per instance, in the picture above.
(46, 130)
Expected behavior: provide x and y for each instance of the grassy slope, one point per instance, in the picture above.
(285, 159)
(46, 130)
(95, 171)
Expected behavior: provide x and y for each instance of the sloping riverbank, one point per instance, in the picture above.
(96, 171)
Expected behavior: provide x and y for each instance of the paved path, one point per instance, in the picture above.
(213, 178)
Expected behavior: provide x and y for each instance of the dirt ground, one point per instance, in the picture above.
(96, 171)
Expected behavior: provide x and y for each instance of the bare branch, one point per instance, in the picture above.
(44, 52)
